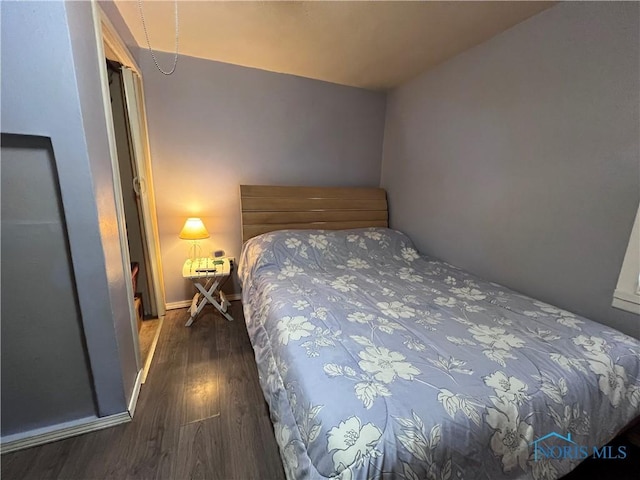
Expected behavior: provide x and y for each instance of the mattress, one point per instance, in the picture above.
(379, 362)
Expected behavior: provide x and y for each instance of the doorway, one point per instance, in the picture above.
(145, 307)
(130, 184)
(135, 202)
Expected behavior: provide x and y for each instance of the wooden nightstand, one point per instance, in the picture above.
(206, 275)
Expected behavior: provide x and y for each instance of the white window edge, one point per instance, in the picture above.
(627, 293)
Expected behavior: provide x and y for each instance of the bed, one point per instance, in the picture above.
(379, 362)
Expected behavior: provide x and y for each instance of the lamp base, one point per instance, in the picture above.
(195, 251)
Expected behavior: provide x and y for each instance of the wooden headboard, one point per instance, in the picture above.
(268, 208)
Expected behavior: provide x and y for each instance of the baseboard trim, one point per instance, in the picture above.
(176, 305)
(187, 303)
(39, 436)
(133, 401)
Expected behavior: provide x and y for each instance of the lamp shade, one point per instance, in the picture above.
(193, 229)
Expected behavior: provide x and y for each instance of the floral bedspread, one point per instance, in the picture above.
(378, 362)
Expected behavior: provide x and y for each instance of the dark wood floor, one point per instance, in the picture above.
(200, 414)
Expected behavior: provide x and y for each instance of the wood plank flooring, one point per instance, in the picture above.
(200, 415)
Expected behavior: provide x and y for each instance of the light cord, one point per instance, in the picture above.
(146, 34)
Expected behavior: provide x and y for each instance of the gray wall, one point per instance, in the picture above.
(214, 126)
(45, 371)
(50, 87)
(123, 368)
(518, 159)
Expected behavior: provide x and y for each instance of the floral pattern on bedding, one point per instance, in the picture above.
(378, 362)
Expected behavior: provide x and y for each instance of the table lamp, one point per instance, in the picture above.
(194, 230)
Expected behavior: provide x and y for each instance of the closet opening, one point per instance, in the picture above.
(123, 99)
(147, 321)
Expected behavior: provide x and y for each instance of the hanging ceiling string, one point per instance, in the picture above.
(146, 34)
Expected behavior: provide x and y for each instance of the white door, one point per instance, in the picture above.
(143, 186)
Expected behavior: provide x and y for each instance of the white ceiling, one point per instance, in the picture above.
(369, 44)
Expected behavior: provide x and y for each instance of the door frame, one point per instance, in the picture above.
(135, 104)
(107, 36)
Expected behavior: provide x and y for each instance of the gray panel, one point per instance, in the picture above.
(518, 159)
(45, 372)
